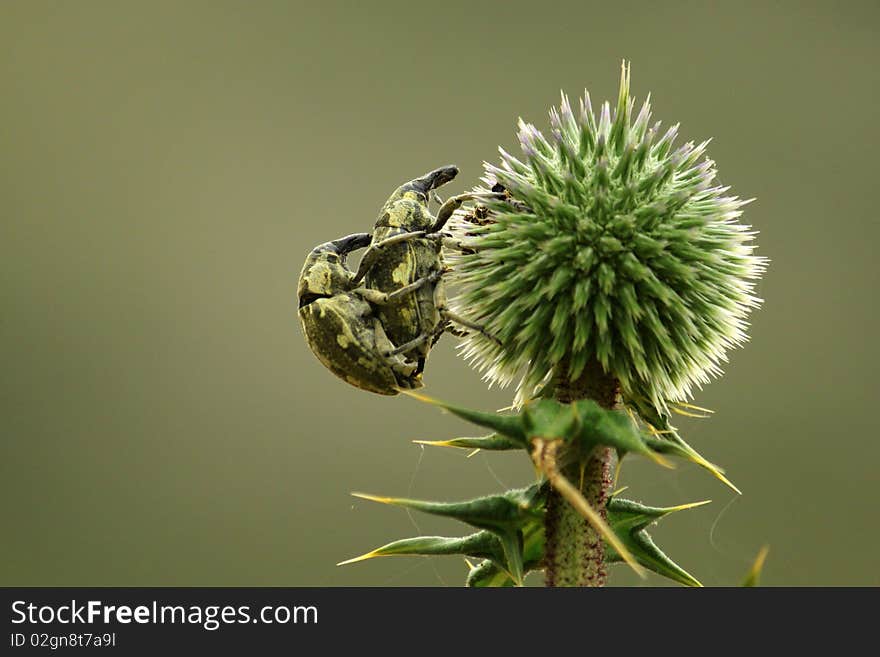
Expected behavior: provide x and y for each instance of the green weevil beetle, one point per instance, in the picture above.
(406, 249)
(340, 323)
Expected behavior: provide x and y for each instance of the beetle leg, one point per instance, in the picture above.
(386, 347)
(454, 203)
(417, 342)
(445, 212)
(434, 337)
(450, 242)
(407, 346)
(454, 244)
(381, 298)
(457, 332)
(376, 250)
(457, 319)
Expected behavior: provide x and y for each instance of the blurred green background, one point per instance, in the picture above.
(166, 166)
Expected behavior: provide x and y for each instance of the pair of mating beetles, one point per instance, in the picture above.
(374, 327)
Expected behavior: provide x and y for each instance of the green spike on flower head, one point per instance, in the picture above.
(612, 244)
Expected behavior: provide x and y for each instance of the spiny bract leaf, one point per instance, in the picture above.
(482, 545)
(507, 425)
(583, 423)
(668, 441)
(504, 515)
(489, 573)
(610, 244)
(504, 511)
(612, 428)
(493, 442)
(627, 519)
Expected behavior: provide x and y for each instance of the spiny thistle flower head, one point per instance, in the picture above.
(612, 244)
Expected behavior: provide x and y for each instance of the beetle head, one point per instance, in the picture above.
(419, 188)
(324, 272)
(434, 179)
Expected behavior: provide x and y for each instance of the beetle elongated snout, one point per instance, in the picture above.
(345, 245)
(435, 178)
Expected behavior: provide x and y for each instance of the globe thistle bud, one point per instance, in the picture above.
(612, 245)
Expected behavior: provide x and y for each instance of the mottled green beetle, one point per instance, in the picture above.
(340, 324)
(405, 249)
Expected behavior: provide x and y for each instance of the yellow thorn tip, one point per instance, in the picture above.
(694, 407)
(420, 397)
(689, 505)
(758, 566)
(375, 498)
(435, 443)
(363, 557)
(717, 472)
(659, 459)
(727, 482)
(679, 411)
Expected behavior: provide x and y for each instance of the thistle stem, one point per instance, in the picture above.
(574, 551)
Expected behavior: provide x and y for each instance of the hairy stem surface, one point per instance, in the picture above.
(574, 551)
